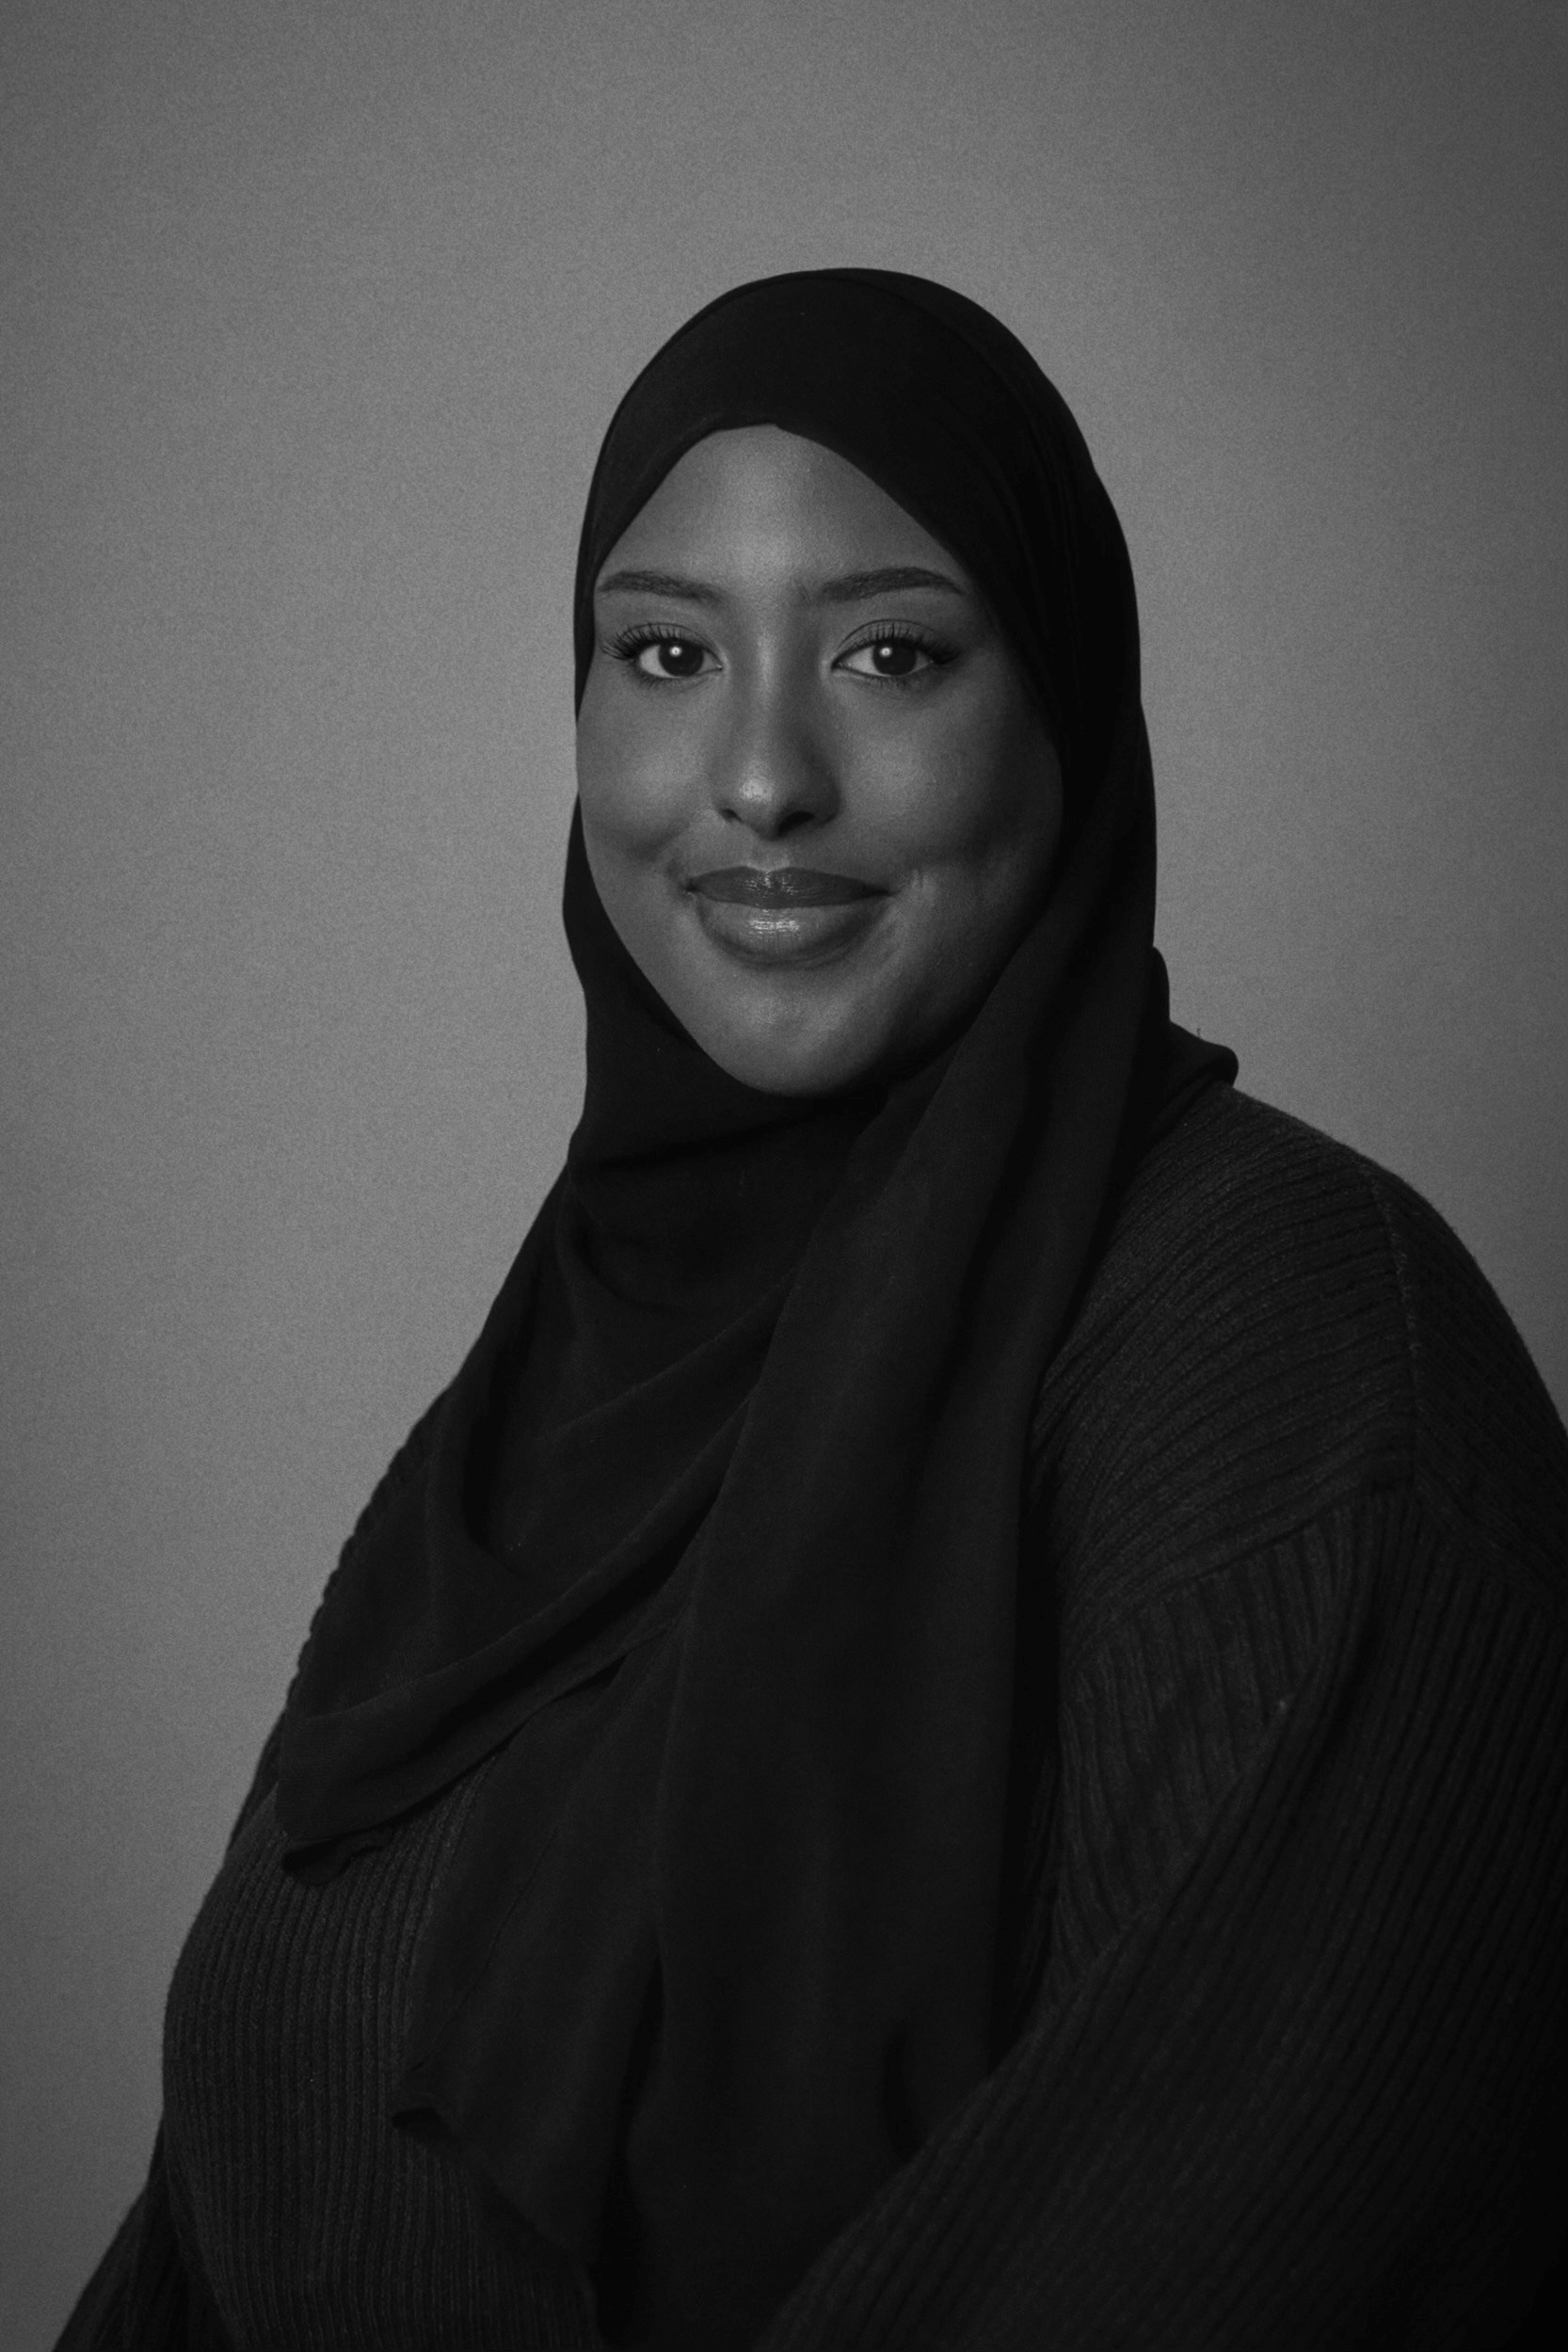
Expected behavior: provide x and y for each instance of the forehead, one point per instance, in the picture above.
(756, 497)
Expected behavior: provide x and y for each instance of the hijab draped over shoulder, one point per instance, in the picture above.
(711, 1551)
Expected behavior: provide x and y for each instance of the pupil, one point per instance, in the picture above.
(894, 659)
(679, 657)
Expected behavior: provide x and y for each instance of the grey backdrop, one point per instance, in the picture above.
(315, 313)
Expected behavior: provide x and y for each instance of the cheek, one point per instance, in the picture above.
(979, 790)
(633, 780)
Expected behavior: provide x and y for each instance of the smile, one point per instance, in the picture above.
(779, 886)
(785, 915)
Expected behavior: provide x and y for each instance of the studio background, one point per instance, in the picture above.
(313, 315)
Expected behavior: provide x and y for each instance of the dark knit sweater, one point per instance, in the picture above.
(1281, 2009)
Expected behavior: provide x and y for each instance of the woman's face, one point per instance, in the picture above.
(818, 803)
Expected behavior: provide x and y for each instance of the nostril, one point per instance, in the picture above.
(772, 820)
(778, 796)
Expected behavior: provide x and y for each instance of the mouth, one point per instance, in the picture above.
(785, 913)
(777, 886)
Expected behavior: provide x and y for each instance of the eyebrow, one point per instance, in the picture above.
(847, 587)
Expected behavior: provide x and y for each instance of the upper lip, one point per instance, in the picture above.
(781, 886)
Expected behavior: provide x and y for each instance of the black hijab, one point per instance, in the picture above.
(713, 1545)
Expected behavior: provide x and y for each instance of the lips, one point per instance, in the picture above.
(786, 915)
(778, 889)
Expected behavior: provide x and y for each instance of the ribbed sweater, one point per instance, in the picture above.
(1282, 2050)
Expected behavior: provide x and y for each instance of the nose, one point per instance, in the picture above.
(774, 770)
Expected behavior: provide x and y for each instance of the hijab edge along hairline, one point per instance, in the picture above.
(950, 314)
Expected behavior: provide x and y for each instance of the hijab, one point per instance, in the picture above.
(712, 1553)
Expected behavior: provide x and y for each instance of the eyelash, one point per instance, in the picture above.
(632, 641)
(902, 633)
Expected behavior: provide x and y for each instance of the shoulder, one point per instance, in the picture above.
(1276, 1329)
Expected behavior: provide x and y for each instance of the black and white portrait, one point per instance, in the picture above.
(785, 1099)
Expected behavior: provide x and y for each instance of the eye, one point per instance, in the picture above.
(662, 655)
(895, 652)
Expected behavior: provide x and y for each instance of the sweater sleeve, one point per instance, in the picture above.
(1295, 2073)
(143, 2296)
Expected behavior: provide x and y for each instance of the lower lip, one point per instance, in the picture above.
(787, 934)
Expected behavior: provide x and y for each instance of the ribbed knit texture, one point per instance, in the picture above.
(1283, 2001)
(320, 2228)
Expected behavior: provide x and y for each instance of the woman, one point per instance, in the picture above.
(950, 1735)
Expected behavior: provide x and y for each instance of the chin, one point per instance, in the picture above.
(794, 1065)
